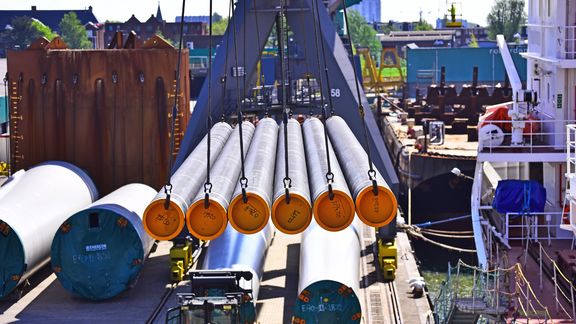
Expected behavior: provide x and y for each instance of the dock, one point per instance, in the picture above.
(44, 299)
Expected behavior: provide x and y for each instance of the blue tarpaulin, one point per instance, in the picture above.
(519, 196)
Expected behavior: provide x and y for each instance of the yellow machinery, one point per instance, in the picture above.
(4, 168)
(180, 259)
(388, 75)
(388, 258)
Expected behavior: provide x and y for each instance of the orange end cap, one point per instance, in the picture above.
(291, 218)
(206, 223)
(376, 211)
(250, 217)
(336, 214)
(163, 224)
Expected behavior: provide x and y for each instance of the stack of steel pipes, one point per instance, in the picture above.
(31, 212)
(291, 199)
(208, 219)
(166, 223)
(98, 252)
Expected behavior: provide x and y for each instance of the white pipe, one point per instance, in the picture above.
(208, 223)
(164, 224)
(31, 213)
(293, 216)
(331, 213)
(252, 216)
(374, 210)
(98, 252)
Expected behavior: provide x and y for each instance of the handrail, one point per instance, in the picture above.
(532, 225)
(538, 135)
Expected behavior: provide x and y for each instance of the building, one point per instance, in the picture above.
(52, 18)
(369, 9)
(427, 38)
(155, 25)
(551, 56)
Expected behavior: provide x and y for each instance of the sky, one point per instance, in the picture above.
(121, 10)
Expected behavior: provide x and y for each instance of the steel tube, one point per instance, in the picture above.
(331, 213)
(31, 213)
(328, 262)
(294, 216)
(236, 251)
(98, 252)
(164, 224)
(252, 216)
(374, 210)
(208, 222)
(10, 183)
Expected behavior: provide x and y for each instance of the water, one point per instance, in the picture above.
(441, 198)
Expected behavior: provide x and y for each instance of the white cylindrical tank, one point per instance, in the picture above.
(329, 279)
(31, 213)
(98, 252)
(241, 252)
(10, 183)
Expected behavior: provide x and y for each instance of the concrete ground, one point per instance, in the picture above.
(46, 301)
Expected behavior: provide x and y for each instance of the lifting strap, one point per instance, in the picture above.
(208, 184)
(317, 36)
(243, 179)
(168, 185)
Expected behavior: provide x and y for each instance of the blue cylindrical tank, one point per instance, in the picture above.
(98, 252)
(32, 211)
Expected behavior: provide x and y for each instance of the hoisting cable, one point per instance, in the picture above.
(311, 110)
(259, 59)
(168, 185)
(329, 90)
(224, 78)
(371, 171)
(317, 38)
(243, 179)
(208, 184)
(285, 109)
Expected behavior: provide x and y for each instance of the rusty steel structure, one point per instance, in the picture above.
(106, 111)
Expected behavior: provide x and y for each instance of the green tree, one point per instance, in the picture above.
(423, 25)
(23, 31)
(219, 26)
(362, 33)
(506, 17)
(73, 33)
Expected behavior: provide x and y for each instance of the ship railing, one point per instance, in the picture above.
(540, 136)
(533, 226)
